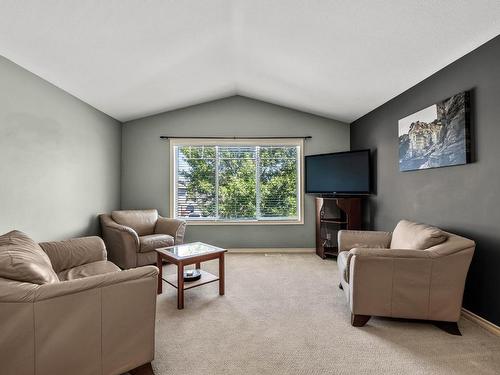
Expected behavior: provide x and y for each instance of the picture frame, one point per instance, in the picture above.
(436, 136)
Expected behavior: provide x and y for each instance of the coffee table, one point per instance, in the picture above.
(184, 255)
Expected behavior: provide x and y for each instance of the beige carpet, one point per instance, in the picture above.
(283, 314)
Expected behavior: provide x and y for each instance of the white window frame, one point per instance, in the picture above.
(237, 142)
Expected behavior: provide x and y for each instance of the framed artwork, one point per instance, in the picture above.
(436, 136)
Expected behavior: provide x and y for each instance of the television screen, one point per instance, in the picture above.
(338, 173)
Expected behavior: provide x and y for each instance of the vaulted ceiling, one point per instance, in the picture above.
(336, 58)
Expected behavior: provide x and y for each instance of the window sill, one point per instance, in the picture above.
(249, 222)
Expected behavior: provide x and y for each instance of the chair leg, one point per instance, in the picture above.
(340, 286)
(359, 320)
(449, 327)
(145, 369)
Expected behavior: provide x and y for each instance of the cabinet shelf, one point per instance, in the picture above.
(334, 250)
(334, 220)
(348, 217)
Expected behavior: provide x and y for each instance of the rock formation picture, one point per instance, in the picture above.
(437, 136)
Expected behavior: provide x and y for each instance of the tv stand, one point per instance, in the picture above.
(333, 214)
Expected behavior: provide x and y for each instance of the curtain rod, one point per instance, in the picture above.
(175, 137)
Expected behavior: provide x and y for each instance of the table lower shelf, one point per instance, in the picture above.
(206, 278)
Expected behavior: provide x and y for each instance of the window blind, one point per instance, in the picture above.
(244, 182)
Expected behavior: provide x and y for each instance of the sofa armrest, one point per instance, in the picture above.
(383, 253)
(124, 230)
(174, 227)
(122, 242)
(48, 291)
(390, 253)
(349, 239)
(16, 291)
(74, 252)
(106, 322)
(390, 282)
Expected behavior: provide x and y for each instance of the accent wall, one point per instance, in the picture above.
(460, 199)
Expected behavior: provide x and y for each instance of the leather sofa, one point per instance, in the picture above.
(131, 236)
(415, 272)
(65, 309)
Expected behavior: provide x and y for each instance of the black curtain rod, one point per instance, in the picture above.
(175, 137)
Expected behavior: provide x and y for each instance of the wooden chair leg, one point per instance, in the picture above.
(359, 320)
(449, 327)
(145, 369)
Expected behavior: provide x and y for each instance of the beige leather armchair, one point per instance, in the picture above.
(131, 236)
(67, 310)
(415, 272)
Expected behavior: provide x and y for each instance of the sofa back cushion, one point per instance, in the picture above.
(142, 221)
(410, 235)
(22, 259)
(74, 252)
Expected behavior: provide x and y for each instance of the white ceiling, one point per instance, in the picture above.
(337, 58)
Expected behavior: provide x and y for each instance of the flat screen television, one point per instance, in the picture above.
(338, 173)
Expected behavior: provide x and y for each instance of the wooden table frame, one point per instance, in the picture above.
(181, 262)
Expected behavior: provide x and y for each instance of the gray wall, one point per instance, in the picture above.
(461, 199)
(59, 158)
(145, 161)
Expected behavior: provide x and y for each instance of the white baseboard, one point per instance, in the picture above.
(280, 250)
(487, 325)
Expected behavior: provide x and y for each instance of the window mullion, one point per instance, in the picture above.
(217, 162)
(298, 164)
(176, 182)
(257, 182)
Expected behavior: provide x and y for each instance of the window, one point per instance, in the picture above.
(237, 181)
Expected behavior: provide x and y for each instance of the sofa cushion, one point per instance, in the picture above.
(90, 269)
(342, 264)
(142, 221)
(410, 235)
(22, 259)
(154, 241)
(145, 259)
(74, 252)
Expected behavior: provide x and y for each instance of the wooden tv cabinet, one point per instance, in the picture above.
(332, 215)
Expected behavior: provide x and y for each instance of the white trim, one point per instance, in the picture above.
(487, 325)
(172, 182)
(276, 250)
(213, 142)
(257, 182)
(242, 222)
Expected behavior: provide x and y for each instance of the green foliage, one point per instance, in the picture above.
(237, 199)
(237, 181)
(200, 177)
(278, 182)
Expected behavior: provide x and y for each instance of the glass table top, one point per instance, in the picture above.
(191, 249)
